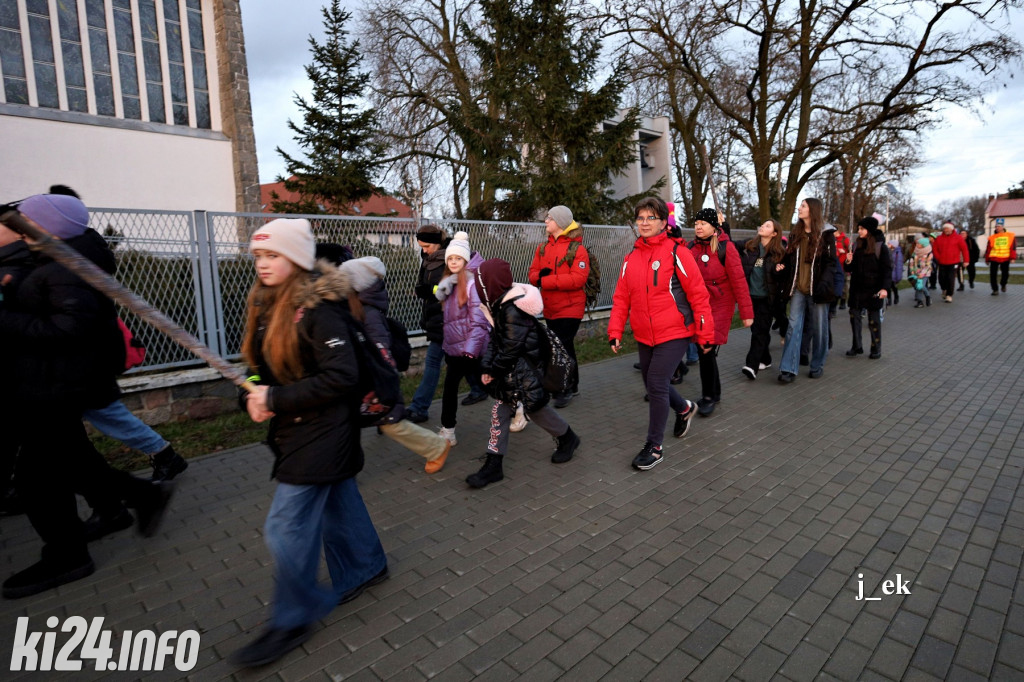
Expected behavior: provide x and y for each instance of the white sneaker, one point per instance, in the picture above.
(519, 421)
(748, 372)
(761, 366)
(448, 434)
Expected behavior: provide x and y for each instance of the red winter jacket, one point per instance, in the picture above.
(726, 284)
(947, 249)
(648, 294)
(562, 290)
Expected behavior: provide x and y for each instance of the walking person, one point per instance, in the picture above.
(1000, 251)
(949, 250)
(298, 343)
(513, 368)
(920, 270)
(559, 269)
(63, 350)
(368, 302)
(667, 304)
(896, 257)
(465, 326)
(720, 266)
(870, 281)
(809, 271)
(760, 255)
(975, 252)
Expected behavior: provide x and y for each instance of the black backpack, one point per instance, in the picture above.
(401, 350)
(379, 383)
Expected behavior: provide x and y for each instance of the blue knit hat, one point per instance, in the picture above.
(60, 215)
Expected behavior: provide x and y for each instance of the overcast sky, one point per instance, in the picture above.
(971, 155)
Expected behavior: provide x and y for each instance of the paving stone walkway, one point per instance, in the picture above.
(738, 557)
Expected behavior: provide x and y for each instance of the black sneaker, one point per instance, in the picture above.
(416, 417)
(705, 406)
(566, 446)
(359, 589)
(47, 574)
(474, 398)
(167, 464)
(101, 524)
(684, 419)
(786, 377)
(649, 457)
(270, 646)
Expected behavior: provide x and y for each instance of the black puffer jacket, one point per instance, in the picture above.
(515, 353)
(430, 275)
(63, 336)
(314, 434)
(870, 272)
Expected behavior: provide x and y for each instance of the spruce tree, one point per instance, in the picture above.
(539, 61)
(336, 135)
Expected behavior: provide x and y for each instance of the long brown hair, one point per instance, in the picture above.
(799, 236)
(775, 249)
(461, 283)
(275, 308)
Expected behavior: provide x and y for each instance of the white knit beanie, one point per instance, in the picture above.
(290, 237)
(459, 246)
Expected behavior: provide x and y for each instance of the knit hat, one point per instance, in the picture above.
(950, 223)
(459, 246)
(671, 213)
(869, 224)
(708, 215)
(562, 216)
(364, 272)
(290, 237)
(60, 215)
(493, 279)
(430, 234)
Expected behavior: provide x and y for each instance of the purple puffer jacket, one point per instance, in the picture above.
(466, 329)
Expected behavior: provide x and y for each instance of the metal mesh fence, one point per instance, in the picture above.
(196, 267)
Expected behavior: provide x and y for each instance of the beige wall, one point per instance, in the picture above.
(117, 168)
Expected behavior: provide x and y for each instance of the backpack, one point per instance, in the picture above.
(401, 350)
(134, 350)
(558, 364)
(379, 382)
(592, 287)
(721, 249)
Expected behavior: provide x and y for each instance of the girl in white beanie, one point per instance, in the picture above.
(466, 329)
(298, 345)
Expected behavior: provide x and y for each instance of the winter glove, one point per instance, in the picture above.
(545, 272)
(445, 287)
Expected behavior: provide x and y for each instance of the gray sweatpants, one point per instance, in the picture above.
(501, 417)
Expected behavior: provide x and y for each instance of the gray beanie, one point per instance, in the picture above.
(561, 215)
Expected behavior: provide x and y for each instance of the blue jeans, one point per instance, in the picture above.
(118, 422)
(802, 305)
(431, 374)
(301, 518)
(692, 353)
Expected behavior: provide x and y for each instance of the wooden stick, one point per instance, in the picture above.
(114, 290)
(711, 180)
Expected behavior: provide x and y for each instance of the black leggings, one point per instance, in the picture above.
(459, 366)
(565, 329)
(710, 385)
(657, 364)
(760, 333)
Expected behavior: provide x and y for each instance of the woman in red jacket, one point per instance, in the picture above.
(666, 302)
(719, 264)
(559, 269)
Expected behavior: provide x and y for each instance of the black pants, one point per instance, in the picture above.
(972, 270)
(57, 461)
(994, 271)
(710, 385)
(459, 367)
(874, 328)
(932, 277)
(657, 364)
(565, 329)
(760, 334)
(947, 279)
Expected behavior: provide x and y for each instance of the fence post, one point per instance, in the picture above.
(207, 286)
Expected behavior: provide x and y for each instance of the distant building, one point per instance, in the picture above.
(1006, 212)
(133, 103)
(378, 205)
(652, 163)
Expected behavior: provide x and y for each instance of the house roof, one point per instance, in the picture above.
(377, 205)
(1005, 208)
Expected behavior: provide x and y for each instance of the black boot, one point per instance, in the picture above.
(567, 444)
(52, 571)
(151, 510)
(167, 464)
(489, 473)
(105, 522)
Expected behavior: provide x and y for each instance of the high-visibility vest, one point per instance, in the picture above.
(999, 245)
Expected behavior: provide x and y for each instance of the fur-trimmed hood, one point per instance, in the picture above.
(531, 303)
(325, 283)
